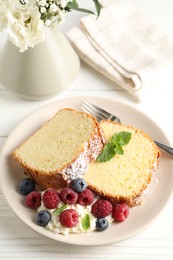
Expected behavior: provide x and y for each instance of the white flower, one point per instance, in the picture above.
(42, 10)
(63, 3)
(53, 8)
(61, 16)
(24, 20)
(25, 28)
(48, 22)
(42, 3)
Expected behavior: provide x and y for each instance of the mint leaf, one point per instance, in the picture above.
(107, 153)
(121, 138)
(119, 150)
(61, 209)
(114, 146)
(86, 222)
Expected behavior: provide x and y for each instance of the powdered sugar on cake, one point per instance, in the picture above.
(76, 169)
(151, 186)
(80, 166)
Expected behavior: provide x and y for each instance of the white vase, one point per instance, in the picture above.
(42, 71)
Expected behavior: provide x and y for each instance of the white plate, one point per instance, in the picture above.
(140, 217)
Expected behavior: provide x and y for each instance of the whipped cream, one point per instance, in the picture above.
(55, 226)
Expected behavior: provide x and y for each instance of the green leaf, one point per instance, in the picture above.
(114, 146)
(74, 6)
(107, 153)
(97, 6)
(119, 150)
(61, 209)
(121, 138)
(86, 222)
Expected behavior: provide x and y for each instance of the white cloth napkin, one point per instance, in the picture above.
(125, 46)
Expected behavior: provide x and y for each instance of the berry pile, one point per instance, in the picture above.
(77, 193)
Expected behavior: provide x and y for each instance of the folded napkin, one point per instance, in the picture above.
(125, 46)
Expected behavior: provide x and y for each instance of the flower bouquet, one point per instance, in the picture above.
(24, 20)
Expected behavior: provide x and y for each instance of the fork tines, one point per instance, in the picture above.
(101, 114)
(91, 108)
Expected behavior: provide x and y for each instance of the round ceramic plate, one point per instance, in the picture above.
(140, 217)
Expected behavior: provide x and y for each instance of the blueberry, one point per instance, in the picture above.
(78, 185)
(26, 186)
(43, 217)
(102, 224)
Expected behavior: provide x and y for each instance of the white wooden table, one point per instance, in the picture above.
(17, 241)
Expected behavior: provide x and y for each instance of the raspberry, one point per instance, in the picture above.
(101, 208)
(120, 212)
(51, 198)
(85, 197)
(68, 196)
(69, 218)
(33, 200)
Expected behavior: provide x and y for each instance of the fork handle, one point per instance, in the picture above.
(165, 148)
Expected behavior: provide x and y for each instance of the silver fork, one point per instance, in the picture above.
(101, 114)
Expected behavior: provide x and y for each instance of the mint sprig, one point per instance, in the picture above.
(114, 146)
(61, 209)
